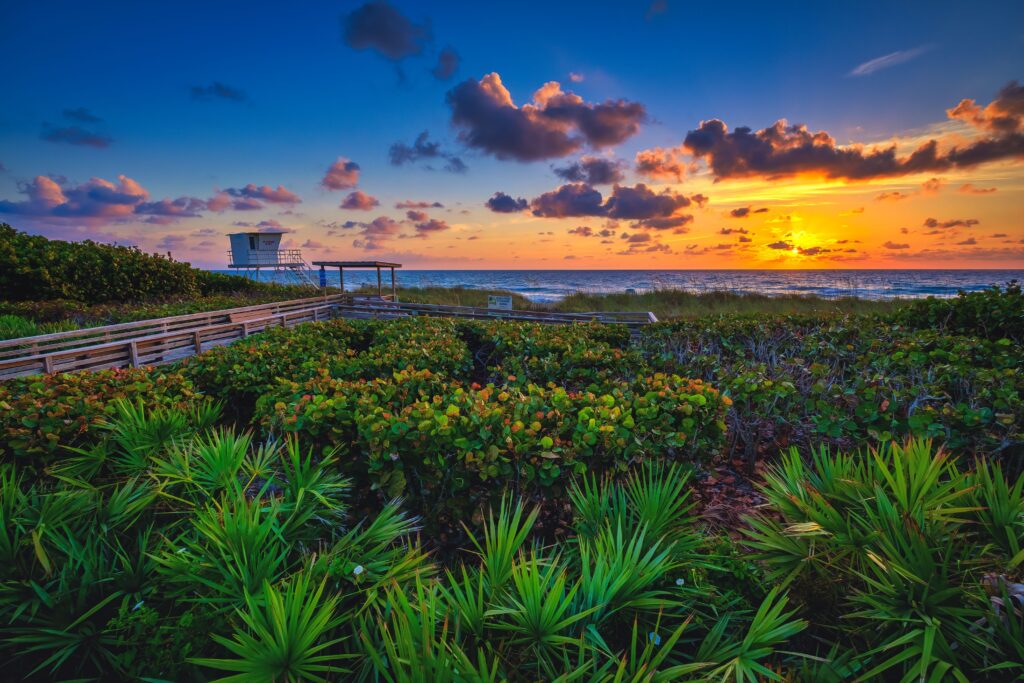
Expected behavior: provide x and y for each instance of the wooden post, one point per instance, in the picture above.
(394, 290)
(341, 278)
(133, 354)
(197, 339)
(47, 364)
(378, 283)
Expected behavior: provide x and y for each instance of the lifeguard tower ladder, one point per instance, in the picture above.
(252, 252)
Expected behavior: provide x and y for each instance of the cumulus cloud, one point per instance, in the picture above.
(412, 204)
(582, 231)
(447, 64)
(217, 91)
(96, 202)
(648, 209)
(75, 135)
(955, 223)
(555, 124)
(781, 244)
(381, 27)
(592, 170)
(503, 203)
(343, 174)
(359, 201)
(661, 163)
(745, 211)
(170, 210)
(265, 193)
(429, 227)
(422, 149)
(888, 61)
(374, 235)
(970, 241)
(783, 150)
(896, 245)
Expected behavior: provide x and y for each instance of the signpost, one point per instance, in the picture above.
(501, 303)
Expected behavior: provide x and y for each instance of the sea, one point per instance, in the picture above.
(552, 285)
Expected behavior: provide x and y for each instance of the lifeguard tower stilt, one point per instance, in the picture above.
(252, 252)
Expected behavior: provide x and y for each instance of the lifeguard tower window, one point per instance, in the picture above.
(254, 242)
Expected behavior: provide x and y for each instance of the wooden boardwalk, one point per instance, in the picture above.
(165, 340)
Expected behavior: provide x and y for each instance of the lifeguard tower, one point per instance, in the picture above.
(252, 252)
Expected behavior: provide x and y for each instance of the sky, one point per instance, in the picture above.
(469, 135)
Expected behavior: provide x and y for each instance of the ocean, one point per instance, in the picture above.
(551, 285)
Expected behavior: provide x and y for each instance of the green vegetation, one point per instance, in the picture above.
(437, 500)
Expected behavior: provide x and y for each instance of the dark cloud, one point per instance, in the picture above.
(416, 216)
(582, 231)
(381, 27)
(313, 244)
(343, 174)
(411, 204)
(75, 135)
(592, 170)
(359, 201)
(893, 196)
(374, 235)
(447, 64)
(217, 91)
(970, 241)
(422, 149)
(280, 195)
(730, 231)
(555, 124)
(745, 211)
(431, 226)
(648, 209)
(503, 203)
(955, 223)
(268, 225)
(896, 245)
(741, 238)
(81, 115)
(786, 150)
(170, 210)
(781, 244)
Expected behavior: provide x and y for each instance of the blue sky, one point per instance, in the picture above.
(310, 98)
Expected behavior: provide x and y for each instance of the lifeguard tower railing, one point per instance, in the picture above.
(282, 257)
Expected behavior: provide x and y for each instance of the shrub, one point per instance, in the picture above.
(41, 415)
(995, 313)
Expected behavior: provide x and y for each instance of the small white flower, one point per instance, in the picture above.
(680, 582)
(358, 570)
(138, 605)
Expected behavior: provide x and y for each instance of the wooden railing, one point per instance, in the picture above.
(153, 342)
(165, 340)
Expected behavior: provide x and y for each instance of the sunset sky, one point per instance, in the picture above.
(524, 135)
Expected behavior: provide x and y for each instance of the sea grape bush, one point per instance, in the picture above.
(442, 442)
(994, 313)
(44, 415)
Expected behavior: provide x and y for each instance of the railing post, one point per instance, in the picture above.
(133, 354)
(197, 338)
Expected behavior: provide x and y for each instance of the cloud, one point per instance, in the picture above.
(730, 231)
(895, 245)
(430, 226)
(313, 244)
(648, 209)
(217, 91)
(592, 170)
(887, 61)
(741, 238)
(781, 244)
(503, 203)
(968, 188)
(660, 163)
(423, 149)
(82, 115)
(783, 150)
(655, 8)
(745, 211)
(374, 235)
(555, 124)
(956, 223)
(343, 174)
(932, 186)
(447, 64)
(970, 241)
(265, 193)
(359, 201)
(381, 27)
(575, 77)
(1004, 114)
(582, 231)
(170, 210)
(893, 196)
(96, 202)
(75, 135)
(411, 204)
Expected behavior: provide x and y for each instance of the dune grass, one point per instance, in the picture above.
(451, 296)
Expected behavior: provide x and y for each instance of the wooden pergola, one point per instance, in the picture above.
(342, 265)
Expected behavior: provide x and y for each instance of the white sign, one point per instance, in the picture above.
(503, 303)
